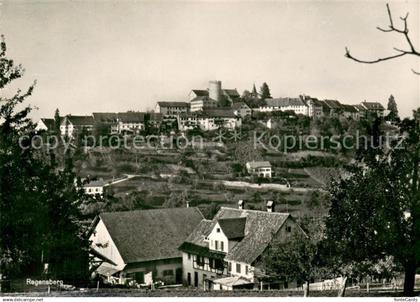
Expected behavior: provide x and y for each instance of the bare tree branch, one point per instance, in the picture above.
(348, 55)
(391, 28)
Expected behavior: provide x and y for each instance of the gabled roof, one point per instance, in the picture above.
(49, 122)
(233, 228)
(131, 117)
(373, 105)
(349, 108)
(218, 112)
(81, 120)
(360, 108)
(316, 102)
(147, 235)
(105, 117)
(239, 105)
(258, 164)
(333, 104)
(202, 98)
(200, 92)
(284, 102)
(156, 116)
(174, 104)
(259, 230)
(233, 93)
(94, 183)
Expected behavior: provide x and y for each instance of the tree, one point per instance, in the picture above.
(295, 259)
(254, 92)
(400, 52)
(57, 122)
(265, 91)
(375, 213)
(39, 214)
(392, 107)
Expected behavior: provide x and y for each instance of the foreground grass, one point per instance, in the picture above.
(192, 292)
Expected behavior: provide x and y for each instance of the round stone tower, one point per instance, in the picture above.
(215, 90)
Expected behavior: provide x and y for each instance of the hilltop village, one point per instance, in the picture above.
(212, 212)
(210, 109)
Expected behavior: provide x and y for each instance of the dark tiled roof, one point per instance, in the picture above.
(174, 104)
(233, 228)
(349, 108)
(105, 117)
(156, 116)
(233, 93)
(200, 232)
(284, 102)
(316, 102)
(49, 122)
(373, 105)
(81, 120)
(333, 104)
(218, 113)
(259, 230)
(131, 117)
(360, 108)
(147, 235)
(202, 98)
(258, 164)
(200, 92)
(94, 183)
(239, 105)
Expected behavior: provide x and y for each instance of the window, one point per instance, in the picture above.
(229, 266)
(218, 230)
(246, 269)
(221, 245)
(189, 256)
(238, 268)
(288, 229)
(216, 244)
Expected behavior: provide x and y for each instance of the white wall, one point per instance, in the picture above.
(101, 236)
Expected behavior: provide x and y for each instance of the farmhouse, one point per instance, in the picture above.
(142, 245)
(45, 124)
(72, 124)
(95, 187)
(259, 168)
(241, 109)
(223, 253)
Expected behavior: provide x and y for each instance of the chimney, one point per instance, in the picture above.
(270, 206)
(241, 204)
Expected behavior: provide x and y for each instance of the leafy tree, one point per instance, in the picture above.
(38, 206)
(265, 91)
(393, 110)
(295, 259)
(375, 213)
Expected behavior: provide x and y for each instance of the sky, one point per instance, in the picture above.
(105, 56)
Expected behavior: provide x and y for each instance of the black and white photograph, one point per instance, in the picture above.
(211, 149)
